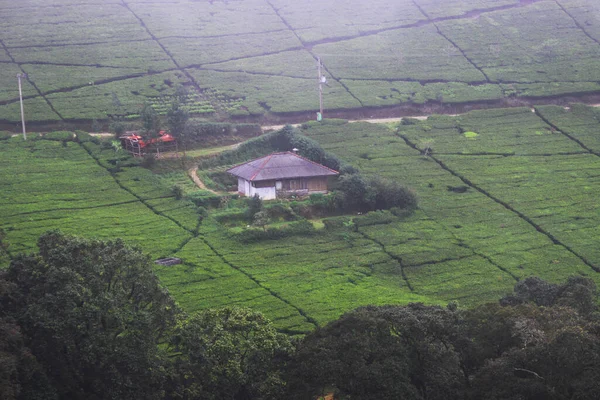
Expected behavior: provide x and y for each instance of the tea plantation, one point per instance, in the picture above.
(503, 194)
(97, 59)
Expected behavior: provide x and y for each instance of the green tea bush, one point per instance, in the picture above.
(223, 181)
(358, 193)
(202, 200)
(379, 217)
(4, 135)
(298, 228)
(335, 222)
(230, 216)
(280, 211)
(198, 131)
(59, 136)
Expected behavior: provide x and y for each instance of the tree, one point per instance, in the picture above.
(386, 352)
(230, 353)
(177, 118)
(94, 314)
(261, 219)
(255, 205)
(150, 120)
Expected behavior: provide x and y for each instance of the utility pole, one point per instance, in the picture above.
(19, 76)
(322, 80)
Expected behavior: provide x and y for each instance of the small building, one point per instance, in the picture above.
(281, 175)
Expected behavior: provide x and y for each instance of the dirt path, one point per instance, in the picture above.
(266, 128)
(192, 173)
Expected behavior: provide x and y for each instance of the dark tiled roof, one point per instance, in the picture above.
(280, 166)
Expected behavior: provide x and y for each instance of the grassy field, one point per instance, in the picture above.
(94, 59)
(504, 194)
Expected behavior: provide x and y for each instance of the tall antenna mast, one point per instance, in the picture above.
(19, 76)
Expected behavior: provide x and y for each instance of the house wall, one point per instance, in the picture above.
(265, 193)
(242, 186)
(267, 189)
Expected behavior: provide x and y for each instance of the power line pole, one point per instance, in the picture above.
(19, 76)
(320, 65)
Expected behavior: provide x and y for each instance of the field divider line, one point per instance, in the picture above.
(308, 318)
(96, 83)
(245, 34)
(268, 53)
(30, 81)
(392, 256)
(216, 106)
(567, 135)
(240, 71)
(79, 208)
(483, 154)
(309, 50)
(72, 65)
(467, 246)
(196, 234)
(487, 78)
(113, 42)
(577, 22)
(524, 217)
(140, 198)
(420, 23)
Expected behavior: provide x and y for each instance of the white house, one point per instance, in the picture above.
(280, 175)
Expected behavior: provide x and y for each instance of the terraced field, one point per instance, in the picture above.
(505, 194)
(94, 59)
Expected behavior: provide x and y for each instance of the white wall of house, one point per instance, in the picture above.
(242, 186)
(246, 188)
(267, 193)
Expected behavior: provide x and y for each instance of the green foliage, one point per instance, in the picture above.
(423, 352)
(177, 118)
(117, 125)
(228, 354)
(296, 228)
(60, 136)
(387, 352)
(255, 205)
(374, 193)
(93, 313)
(150, 120)
(261, 219)
(285, 139)
(177, 192)
(202, 133)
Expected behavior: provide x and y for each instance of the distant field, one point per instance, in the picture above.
(95, 58)
(506, 194)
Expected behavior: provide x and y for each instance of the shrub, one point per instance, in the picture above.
(378, 217)
(255, 205)
(177, 192)
(62, 136)
(409, 121)
(224, 181)
(4, 135)
(280, 211)
(202, 200)
(148, 161)
(389, 194)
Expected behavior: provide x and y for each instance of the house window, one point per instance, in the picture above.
(263, 184)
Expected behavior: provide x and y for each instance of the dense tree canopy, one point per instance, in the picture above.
(88, 319)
